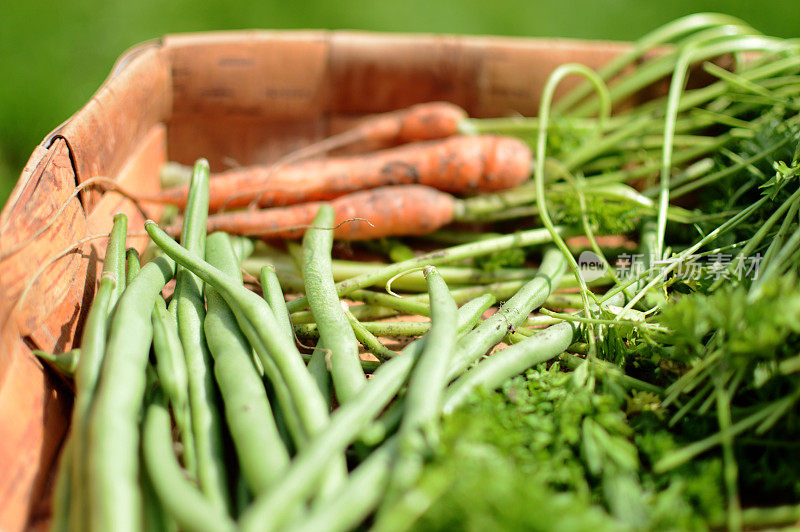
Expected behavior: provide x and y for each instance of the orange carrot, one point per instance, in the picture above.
(425, 121)
(392, 211)
(456, 165)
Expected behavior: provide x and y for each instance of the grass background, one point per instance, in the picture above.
(53, 58)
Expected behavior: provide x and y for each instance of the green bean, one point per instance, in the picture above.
(468, 315)
(115, 257)
(64, 364)
(511, 314)
(367, 339)
(373, 328)
(268, 511)
(155, 516)
(413, 282)
(357, 498)
(171, 369)
(435, 258)
(132, 264)
(262, 455)
(193, 232)
(318, 368)
(403, 304)
(262, 330)
(113, 441)
(62, 491)
(190, 309)
(424, 394)
(87, 372)
(367, 365)
(242, 246)
(289, 406)
(361, 312)
(498, 368)
(185, 503)
(471, 312)
(273, 293)
(423, 397)
(334, 328)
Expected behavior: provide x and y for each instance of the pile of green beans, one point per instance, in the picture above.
(197, 409)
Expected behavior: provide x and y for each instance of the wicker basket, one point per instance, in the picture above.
(239, 96)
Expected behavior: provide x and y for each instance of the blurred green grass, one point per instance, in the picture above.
(53, 56)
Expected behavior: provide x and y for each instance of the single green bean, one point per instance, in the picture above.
(361, 312)
(415, 282)
(367, 365)
(262, 455)
(64, 363)
(318, 368)
(401, 304)
(185, 503)
(132, 264)
(62, 491)
(334, 328)
(483, 247)
(193, 230)
(242, 246)
(190, 310)
(423, 398)
(93, 345)
(367, 339)
(273, 293)
(115, 257)
(373, 328)
(171, 370)
(113, 442)
(155, 516)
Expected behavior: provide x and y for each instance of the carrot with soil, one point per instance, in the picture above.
(384, 211)
(458, 165)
